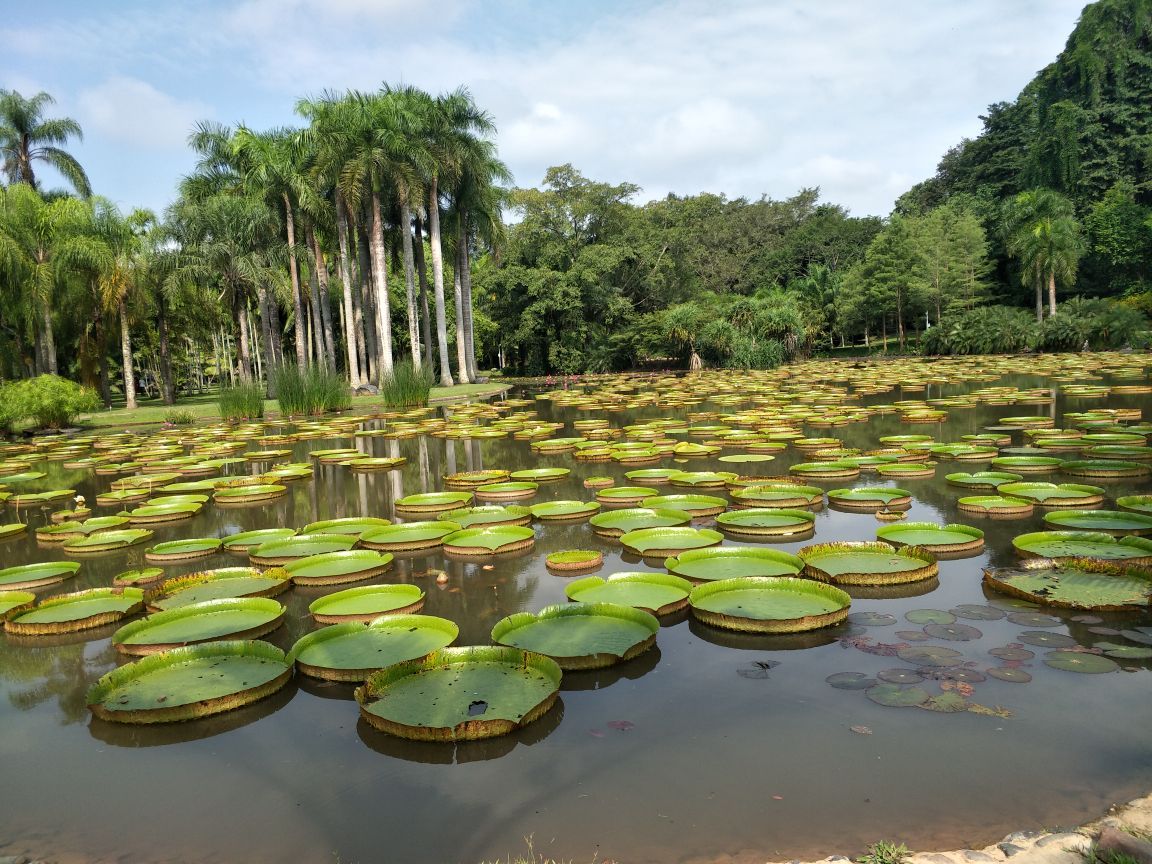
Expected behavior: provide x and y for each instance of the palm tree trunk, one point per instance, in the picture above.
(1039, 302)
(900, 318)
(168, 387)
(351, 339)
(364, 303)
(243, 347)
(126, 354)
(329, 338)
(323, 357)
(294, 274)
(466, 283)
(380, 283)
(438, 283)
(49, 341)
(409, 278)
(266, 306)
(102, 361)
(422, 272)
(1052, 293)
(461, 346)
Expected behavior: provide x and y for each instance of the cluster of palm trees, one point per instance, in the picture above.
(283, 246)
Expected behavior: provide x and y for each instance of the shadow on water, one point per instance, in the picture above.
(598, 679)
(766, 641)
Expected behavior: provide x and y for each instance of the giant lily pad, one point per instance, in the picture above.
(208, 621)
(1104, 468)
(37, 575)
(472, 479)
(335, 568)
(982, 479)
(248, 540)
(616, 522)
(189, 683)
(1027, 464)
(106, 541)
(252, 493)
(541, 475)
(1075, 584)
(14, 602)
(663, 542)
(156, 514)
(729, 562)
(867, 563)
(507, 491)
(580, 635)
(935, 538)
(871, 498)
(619, 495)
(1135, 503)
(564, 510)
(658, 593)
(353, 526)
(433, 502)
(1053, 495)
(766, 522)
(226, 582)
(766, 604)
(995, 505)
(490, 540)
(778, 495)
(366, 603)
(354, 650)
(1084, 544)
(183, 550)
(1114, 522)
(409, 536)
(460, 694)
(695, 505)
(69, 613)
(72, 530)
(301, 546)
(488, 514)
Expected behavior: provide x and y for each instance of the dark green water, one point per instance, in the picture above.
(714, 762)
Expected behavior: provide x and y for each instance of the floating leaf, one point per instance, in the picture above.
(1080, 661)
(930, 655)
(1034, 619)
(977, 612)
(929, 616)
(1009, 674)
(872, 619)
(953, 632)
(895, 696)
(850, 681)
(1045, 639)
(900, 676)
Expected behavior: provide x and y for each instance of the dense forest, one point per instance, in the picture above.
(385, 229)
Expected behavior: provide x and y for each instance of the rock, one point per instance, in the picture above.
(1116, 842)
(1067, 840)
(13, 859)
(367, 390)
(933, 858)
(973, 855)
(1011, 849)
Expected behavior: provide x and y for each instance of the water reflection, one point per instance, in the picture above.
(460, 752)
(765, 641)
(598, 679)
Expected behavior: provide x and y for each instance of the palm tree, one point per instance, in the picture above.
(1042, 232)
(43, 245)
(26, 137)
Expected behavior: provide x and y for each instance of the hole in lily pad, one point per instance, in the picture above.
(895, 696)
(900, 676)
(1080, 661)
(953, 632)
(977, 612)
(477, 708)
(913, 635)
(930, 655)
(872, 619)
(850, 681)
(929, 616)
(1009, 674)
(1044, 639)
(1011, 652)
(1034, 619)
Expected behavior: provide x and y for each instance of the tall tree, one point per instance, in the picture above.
(26, 136)
(1041, 232)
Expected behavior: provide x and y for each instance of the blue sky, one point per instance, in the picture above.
(744, 97)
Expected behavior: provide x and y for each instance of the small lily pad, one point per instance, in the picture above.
(1045, 639)
(1008, 673)
(895, 696)
(929, 616)
(850, 681)
(1080, 661)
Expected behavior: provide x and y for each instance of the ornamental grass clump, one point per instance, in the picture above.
(310, 390)
(407, 386)
(242, 402)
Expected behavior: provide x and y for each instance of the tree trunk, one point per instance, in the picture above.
(422, 272)
(126, 354)
(102, 362)
(409, 278)
(243, 346)
(1039, 302)
(368, 307)
(329, 337)
(351, 339)
(466, 283)
(323, 357)
(380, 283)
(168, 386)
(1051, 293)
(294, 274)
(49, 341)
(461, 347)
(438, 283)
(266, 306)
(900, 319)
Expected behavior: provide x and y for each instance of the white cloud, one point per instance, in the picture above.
(131, 111)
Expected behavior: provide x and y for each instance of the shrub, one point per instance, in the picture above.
(986, 330)
(50, 401)
(1098, 323)
(311, 390)
(242, 402)
(407, 385)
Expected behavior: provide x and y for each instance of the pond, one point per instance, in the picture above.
(712, 743)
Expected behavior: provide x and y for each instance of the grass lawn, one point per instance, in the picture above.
(204, 407)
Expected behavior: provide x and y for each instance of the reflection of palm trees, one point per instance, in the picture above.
(61, 673)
